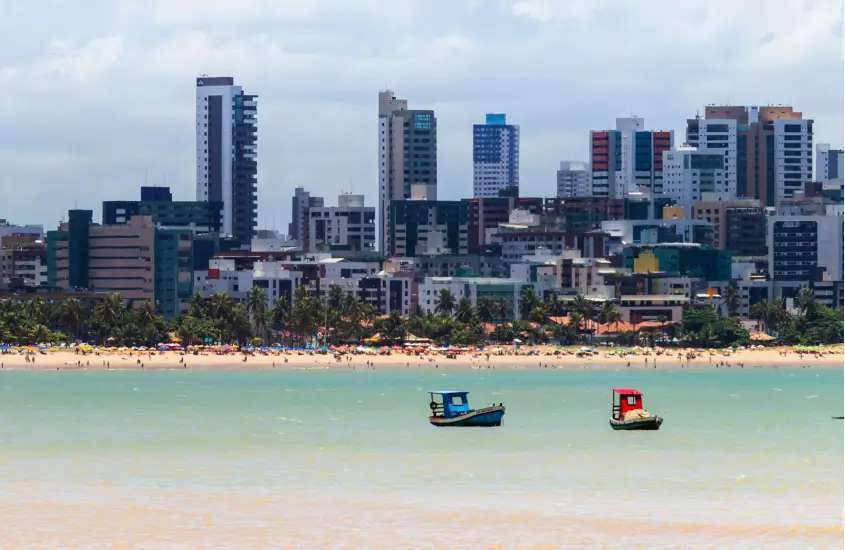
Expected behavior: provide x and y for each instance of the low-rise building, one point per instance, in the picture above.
(137, 260)
(347, 227)
(659, 231)
(640, 308)
(414, 223)
(684, 259)
(474, 288)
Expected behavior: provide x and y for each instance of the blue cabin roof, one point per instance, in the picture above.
(448, 392)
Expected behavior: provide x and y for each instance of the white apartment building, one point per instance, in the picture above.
(689, 172)
(803, 248)
(793, 156)
(719, 135)
(226, 153)
(349, 226)
(829, 164)
(640, 171)
(574, 179)
(495, 155)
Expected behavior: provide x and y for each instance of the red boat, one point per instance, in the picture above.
(627, 411)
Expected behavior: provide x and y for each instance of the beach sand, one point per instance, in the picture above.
(543, 357)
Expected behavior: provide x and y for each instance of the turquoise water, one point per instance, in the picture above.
(317, 458)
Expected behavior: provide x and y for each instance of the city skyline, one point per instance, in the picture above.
(120, 120)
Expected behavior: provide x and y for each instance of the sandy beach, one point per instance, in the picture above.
(542, 357)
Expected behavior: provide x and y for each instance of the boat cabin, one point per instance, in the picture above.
(624, 400)
(449, 403)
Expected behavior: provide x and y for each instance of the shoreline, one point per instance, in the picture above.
(604, 359)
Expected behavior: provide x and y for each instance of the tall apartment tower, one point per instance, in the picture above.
(629, 159)
(495, 157)
(768, 150)
(301, 202)
(573, 179)
(227, 163)
(829, 164)
(407, 156)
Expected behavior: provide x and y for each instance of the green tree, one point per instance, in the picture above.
(445, 303)
(528, 300)
(732, 299)
(464, 312)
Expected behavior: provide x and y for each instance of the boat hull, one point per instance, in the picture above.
(484, 418)
(652, 423)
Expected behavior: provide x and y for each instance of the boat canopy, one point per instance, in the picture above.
(448, 392)
(627, 391)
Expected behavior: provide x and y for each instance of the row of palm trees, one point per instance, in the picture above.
(336, 318)
(581, 310)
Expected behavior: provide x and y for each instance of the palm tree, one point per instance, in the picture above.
(240, 326)
(528, 300)
(109, 313)
(280, 314)
(556, 305)
(613, 317)
(806, 301)
(393, 327)
(585, 308)
(499, 307)
(220, 305)
(761, 312)
(197, 305)
(464, 313)
(72, 313)
(484, 309)
(576, 320)
(445, 303)
(146, 314)
(732, 299)
(662, 319)
(256, 306)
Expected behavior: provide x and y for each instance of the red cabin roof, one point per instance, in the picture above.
(627, 391)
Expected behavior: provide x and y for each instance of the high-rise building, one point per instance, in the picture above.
(227, 165)
(689, 173)
(407, 156)
(829, 166)
(629, 159)
(300, 203)
(495, 157)
(718, 135)
(573, 179)
(606, 163)
(774, 147)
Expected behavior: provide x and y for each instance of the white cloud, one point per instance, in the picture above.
(97, 97)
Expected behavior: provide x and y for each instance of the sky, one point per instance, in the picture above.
(97, 97)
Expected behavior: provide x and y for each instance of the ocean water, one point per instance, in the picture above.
(317, 459)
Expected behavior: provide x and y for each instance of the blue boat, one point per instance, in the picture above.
(451, 408)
